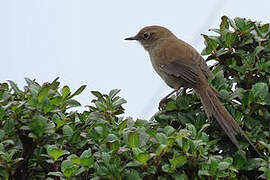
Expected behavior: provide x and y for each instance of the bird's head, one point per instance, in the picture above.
(150, 35)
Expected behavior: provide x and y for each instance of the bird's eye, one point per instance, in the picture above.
(146, 35)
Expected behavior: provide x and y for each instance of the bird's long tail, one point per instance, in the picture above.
(214, 107)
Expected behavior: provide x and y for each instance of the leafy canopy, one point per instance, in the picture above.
(41, 138)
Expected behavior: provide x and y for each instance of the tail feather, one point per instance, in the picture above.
(214, 107)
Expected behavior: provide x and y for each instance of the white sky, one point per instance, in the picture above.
(81, 41)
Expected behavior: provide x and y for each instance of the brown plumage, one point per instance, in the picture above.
(180, 65)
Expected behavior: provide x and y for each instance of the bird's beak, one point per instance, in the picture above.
(132, 38)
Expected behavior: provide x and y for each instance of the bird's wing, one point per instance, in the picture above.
(183, 69)
(203, 66)
(205, 69)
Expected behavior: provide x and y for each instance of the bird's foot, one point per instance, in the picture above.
(162, 103)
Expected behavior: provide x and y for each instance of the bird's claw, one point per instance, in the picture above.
(162, 104)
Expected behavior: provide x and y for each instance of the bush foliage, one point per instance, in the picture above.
(41, 138)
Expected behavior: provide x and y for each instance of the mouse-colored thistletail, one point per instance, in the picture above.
(180, 65)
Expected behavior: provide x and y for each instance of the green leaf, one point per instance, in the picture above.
(8, 126)
(215, 30)
(72, 103)
(170, 106)
(257, 50)
(161, 138)
(143, 157)
(213, 165)
(177, 162)
(114, 145)
(54, 152)
(4, 86)
(56, 100)
(161, 148)
(74, 158)
(186, 146)
(192, 129)
(102, 170)
(230, 38)
(267, 174)
(211, 45)
(97, 94)
(86, 159)
(206, 51)
(221, 52)
(261, 142)
(260, 90)
(67, 167)
(232, 24)
(38, 125)
(141, 123)
(119, 102)
(79, 171)
(14, 87)
(167, 168)
(179, 142)
(203, 128)
(222, 174)
(224, 25)
(43, 93)
(65, 91)
(223, 165)
(169, 130)
(253, 163)
(122, 125)
(67, 130)
(170, 141)
(111, 138)
(133, 175)
(183, 102)
(32, 84)
(78, 91)
(113, 93)
(106, 158)
(264, 28)
(100, 106)
(55, 84)
(2, 134)
(57, 174)
(133, 164)
(101, 130)
(4, 173)
(178, 176)
(58, 121)
(86, 154)
(266, 66)
(236, 67)
(228, 160)
(240, 23)
(133, 139)
(204, 173)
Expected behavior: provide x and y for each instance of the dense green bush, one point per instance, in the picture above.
(41, 138)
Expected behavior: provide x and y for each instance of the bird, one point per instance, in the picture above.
(181, 65)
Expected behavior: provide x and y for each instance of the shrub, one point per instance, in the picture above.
(41, 138)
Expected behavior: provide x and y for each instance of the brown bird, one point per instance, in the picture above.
(180, 65)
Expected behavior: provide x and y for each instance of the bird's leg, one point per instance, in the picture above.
(165, 99)
(182, 91)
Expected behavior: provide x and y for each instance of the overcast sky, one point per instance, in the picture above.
(81, 41)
